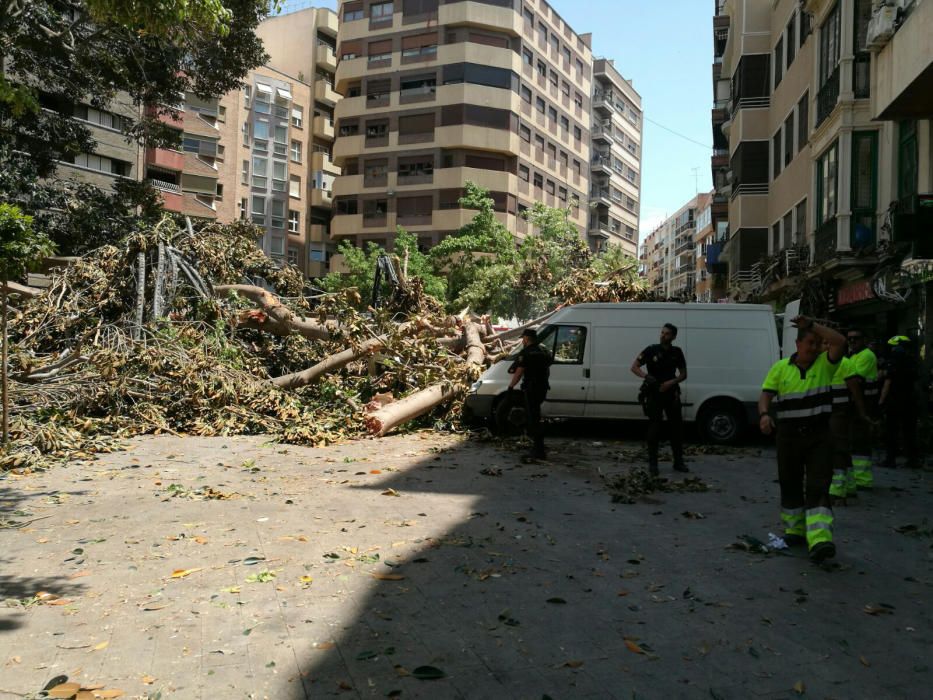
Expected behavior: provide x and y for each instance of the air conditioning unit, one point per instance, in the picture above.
(881, 27)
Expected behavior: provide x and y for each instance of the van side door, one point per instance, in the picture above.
(569, 345)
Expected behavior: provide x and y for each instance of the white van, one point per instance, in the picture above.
(729, 350)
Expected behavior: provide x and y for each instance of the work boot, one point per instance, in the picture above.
(653, 469)
(795, 540)
(822, 551)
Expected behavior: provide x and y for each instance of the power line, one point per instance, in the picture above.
(676, 133)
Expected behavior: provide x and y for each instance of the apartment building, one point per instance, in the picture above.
(113, 157)
(669, 253)
(615, 168)
(710, 281)
(282, 132)
(435, 94)
(722, 92)
(266, 176)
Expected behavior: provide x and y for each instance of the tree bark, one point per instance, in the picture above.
(4, 388)
(279, 320)
(476, 351)
(22, 290)
(329, 364)
(395, 414)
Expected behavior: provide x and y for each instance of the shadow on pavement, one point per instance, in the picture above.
(18, 590)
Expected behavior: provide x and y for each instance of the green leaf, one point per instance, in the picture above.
(428, 673)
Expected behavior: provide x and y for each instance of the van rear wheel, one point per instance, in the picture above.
(722, 422)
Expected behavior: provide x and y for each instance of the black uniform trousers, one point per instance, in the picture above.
(534, 397)
(805, 465)
(657, 405)
(901, 417)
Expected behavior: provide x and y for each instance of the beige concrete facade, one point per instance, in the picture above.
(497, 93)
(808, 176)
(615, 165)
(113, 158)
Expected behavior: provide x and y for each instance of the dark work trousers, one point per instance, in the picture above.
(842, 457)
(805, 465)
(534, 397)
(901, 417)
(657, 405)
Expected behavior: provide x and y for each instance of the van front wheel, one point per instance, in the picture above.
(503, 418)
(721, 422)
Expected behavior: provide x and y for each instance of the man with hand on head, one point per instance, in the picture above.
(800, 390)
(532, 369)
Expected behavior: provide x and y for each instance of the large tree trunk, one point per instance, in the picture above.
(395, 414)
(276, 318)
(476, 351)
(329, 364)
(4, 389)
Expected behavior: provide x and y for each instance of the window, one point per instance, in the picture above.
(378, 129)
(420, 86)
(788, 139)
(552, 114)
(101, 164)
(529, 16)
(565, 123)
(555, 44)
(296, 151)
(292, 255)
(553, 78)
(542, 33)
(549, 187)
(565, 88)
(539, 142)
(277, 245)
(244, 173)
(776, 158)
(260, 173)
(826, 185)
(281, 139)
(375, 209)
(539, 104)
(379, 51)
(526, 94)
(259, 211)
(415, 166)
(294, 221)
(294, 186)
(525, 133)
(562, 194)
(577, 133)
(791, 40)
(567, 55)
(829, 45)
(375, 171)
(864, 191)
(542, 69)
(803, 121)
(778, 62)
(352, 11)
(775, 237)
(523, 173)
(416, 124)
(377, 92)
(538, 181)
(297, 117)
(578, 100)
(788, 235)
(475, 74)
(801, 226)
(567, 344)
(579, 68)
(247, 93)
(279, 171)
(527, 57)
(349, 128)
(382, 11)
(107, 120)
(421, 46)
(278, 213)
(908, 168)
(348, 207)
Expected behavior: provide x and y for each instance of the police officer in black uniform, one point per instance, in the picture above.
(532, 368)
(660, 394)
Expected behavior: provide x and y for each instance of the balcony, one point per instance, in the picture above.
(326, 57)
(323, 128)
(321, 198)
(603, 133)
(327, 22)
(322, 161)
(601, 230)
(172, 199)
(318, 233)
(166, 118)
(602, 164)
(481, 14)
(604, 100)
(827, 98)
(165, 158)
(324, 92)
(338, 264)
(346, 225)
(601, 195)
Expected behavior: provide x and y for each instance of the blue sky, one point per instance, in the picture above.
(668, 54)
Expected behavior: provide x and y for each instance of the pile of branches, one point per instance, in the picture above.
(199, 332)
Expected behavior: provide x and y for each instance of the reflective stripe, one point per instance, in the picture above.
(794, 521)
(805, 412)
(819, 526)
(816, 391)
(838, 486)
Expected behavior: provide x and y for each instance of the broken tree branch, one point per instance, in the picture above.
(276, 318)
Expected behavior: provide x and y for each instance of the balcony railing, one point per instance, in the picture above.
(827, 97)
(825, 241)
(163, 185)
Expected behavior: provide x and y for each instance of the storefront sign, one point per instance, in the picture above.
(854, 293)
